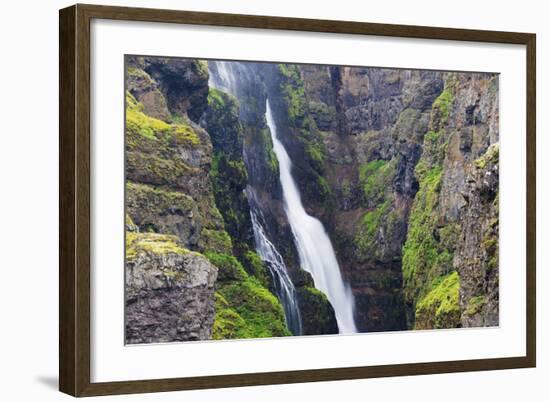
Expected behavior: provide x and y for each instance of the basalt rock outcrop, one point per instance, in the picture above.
(169, 291)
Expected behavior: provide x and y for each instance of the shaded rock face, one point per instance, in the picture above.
(183, 82)
(228, 174)
(317, 314)
(476, 255)
(450, 217)
(169, 292)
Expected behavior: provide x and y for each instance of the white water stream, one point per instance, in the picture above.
(283, 285)
(314, 247)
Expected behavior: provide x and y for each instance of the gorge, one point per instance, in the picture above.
(267, 200)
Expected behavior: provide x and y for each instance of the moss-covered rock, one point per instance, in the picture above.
(377, 179)
(260, 309)
(244, 307)
(229, 268)
(140, 85)
(429, 248)
(477, 253)
(256, 267)
(164, 211)
(215, 241)
(440, 307)
(316, 312)
(436, 245)
(223, 124)
(228, 172)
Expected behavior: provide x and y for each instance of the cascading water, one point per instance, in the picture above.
(283, 285)
(222, 78)
(314, 247)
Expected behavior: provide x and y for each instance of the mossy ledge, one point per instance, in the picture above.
(440, 308)
(244, 307)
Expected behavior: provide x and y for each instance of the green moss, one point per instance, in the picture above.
(201, 67)
(377, 178)
(215, 98)
(366, 239)
(255, 266)
(228, 324)
(129, 224)
(258, 307)
(367, 169)
(316, 312)
(184, 133)
(229, 179)
(246, 309)
(244, 306)
(490, 157)
(475, 305)
(216, 241)
(229, 268)
(440, 307)
(443, 103)
(159, 244)
(316, 152)
(147, 203)
(432, 136)
(138, 123)
(424, 257)
(292, 88)
(158, 170)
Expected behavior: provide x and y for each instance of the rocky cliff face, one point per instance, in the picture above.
(191, 271)
(441, 263)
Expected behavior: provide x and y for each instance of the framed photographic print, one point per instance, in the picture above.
(250, 200)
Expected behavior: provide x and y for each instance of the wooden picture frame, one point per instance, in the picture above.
(74, 203)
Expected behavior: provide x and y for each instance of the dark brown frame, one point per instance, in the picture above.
(74, 199)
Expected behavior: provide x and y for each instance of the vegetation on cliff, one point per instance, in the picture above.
(244, 307)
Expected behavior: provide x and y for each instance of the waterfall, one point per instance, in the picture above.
(222, 77)
(314, 247)
(284, 288)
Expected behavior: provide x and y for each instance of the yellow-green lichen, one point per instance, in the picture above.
(475, 305)
(440, 307)
(139, 123)
(489, 157)
(153, 243)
